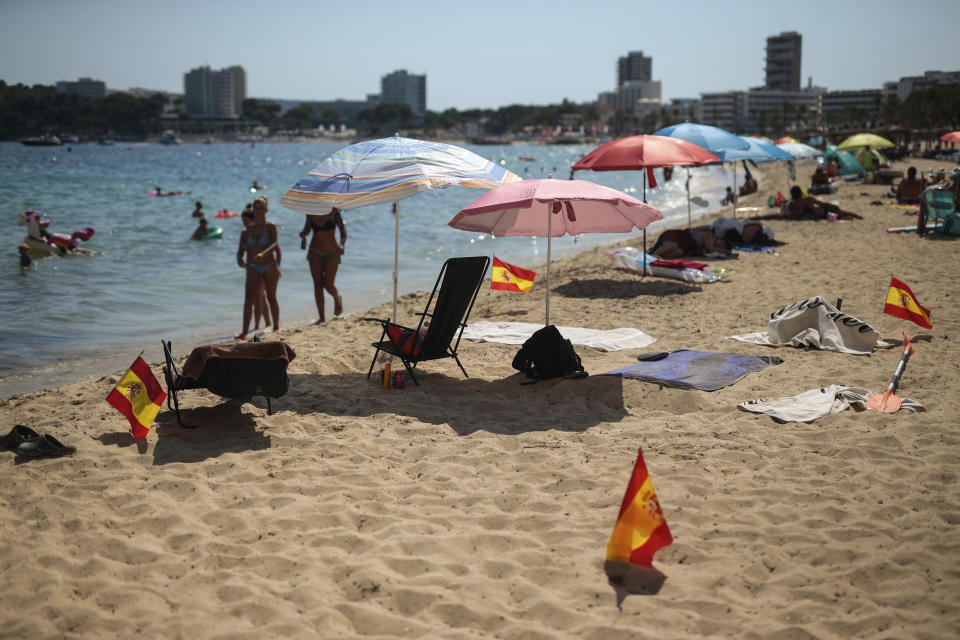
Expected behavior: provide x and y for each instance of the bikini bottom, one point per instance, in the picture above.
(261, 268)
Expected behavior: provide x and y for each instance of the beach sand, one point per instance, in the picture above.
(481, 508)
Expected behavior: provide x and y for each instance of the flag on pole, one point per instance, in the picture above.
(641, 529)
(139, 397)
(903, 304)
(510, 278)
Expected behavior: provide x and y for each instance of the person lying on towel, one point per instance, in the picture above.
(799, 207)
(677, 243)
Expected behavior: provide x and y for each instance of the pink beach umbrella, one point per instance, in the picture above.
(953, 136)
(553, 208)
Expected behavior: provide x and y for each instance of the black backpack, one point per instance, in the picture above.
(547, 354)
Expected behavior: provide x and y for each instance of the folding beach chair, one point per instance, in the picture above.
(937, 205)
(459, 282)
(235, 370)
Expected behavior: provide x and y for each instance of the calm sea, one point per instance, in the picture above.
(70, 318)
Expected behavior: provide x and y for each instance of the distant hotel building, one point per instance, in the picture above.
(636, 90)
(215, 94)
(401, 87)
(634, 67)
(783, 61)
(84, 87)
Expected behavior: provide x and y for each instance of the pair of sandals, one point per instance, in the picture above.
(26, 442)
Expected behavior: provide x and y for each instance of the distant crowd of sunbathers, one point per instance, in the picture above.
(720, 236)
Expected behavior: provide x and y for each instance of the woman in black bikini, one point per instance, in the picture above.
(258, 243)
(324, 256)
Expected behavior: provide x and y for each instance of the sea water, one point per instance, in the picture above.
(85, 315)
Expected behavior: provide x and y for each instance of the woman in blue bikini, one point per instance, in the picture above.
(258, 243)
(324, 256)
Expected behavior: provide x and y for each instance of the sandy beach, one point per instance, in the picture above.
(480, 508)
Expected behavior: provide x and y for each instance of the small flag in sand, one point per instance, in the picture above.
(507, 277)
(139, 397)
(903, 304)
(640, 532)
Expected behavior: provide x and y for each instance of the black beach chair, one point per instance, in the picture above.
(235, 370)
(459, 282)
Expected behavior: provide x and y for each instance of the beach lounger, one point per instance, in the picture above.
(442, 321)
(936, 205)
(235, 370)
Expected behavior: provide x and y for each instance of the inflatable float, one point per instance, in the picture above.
(223, 213)
(631, 258)
(43, 243)
(212, 233)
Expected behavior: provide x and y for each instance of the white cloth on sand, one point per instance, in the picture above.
(817, 403)
(818, 324)
(518, 332)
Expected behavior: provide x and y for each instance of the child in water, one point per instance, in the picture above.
(25, 259)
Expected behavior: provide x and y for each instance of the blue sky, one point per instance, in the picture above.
(474, 54)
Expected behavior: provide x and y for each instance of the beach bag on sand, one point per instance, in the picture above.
(547, 354)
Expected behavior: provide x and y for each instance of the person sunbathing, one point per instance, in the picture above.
(677, 243)
(799, 207)
(749, 186)
(909, 189)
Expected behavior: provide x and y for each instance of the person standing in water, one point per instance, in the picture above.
(258, 244)
(324, 257)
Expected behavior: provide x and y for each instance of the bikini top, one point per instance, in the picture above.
(262, 241)
(329, 225)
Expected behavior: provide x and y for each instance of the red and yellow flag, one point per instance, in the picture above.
(903, 304)
(510, 278)
(641, 529)
(139, 397)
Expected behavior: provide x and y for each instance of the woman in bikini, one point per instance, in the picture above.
(324, 256)
(258, 243)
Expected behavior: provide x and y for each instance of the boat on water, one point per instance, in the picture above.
(47, 140)
(168, 138)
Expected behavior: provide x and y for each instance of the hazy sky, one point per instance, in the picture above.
(475, 54)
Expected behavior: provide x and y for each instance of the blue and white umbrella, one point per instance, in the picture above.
(388, 170)
(713, 139)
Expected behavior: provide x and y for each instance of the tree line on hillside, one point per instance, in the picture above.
(29, 111)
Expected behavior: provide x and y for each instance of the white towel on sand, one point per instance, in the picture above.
(817, 403)
(518, 332)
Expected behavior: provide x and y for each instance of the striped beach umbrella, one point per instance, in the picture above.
(389, 170)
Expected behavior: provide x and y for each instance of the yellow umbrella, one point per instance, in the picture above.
(864, 140)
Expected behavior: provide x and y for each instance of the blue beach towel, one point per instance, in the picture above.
(687, 369)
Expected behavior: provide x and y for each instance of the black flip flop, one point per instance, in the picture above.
(45, 446)
(19, 434)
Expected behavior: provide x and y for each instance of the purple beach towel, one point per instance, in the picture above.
(687, 369)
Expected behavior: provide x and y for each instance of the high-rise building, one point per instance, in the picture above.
(218, 94)
(634, 67)
(84, 86)
(401, 87)
(783, 61)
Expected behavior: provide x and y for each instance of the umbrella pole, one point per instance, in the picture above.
(396, 255)
(689, 218)
(549, 230)
(734, 189)
(644, 229)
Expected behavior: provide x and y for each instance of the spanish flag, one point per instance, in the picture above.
(510, 278)
(903, 304)
(641, 529)
(139, 397)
